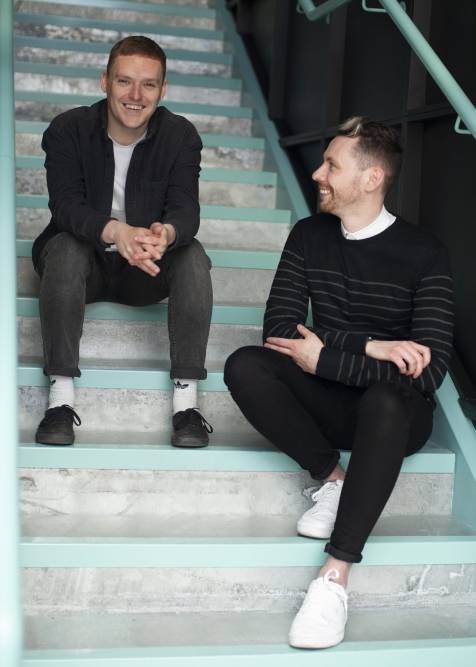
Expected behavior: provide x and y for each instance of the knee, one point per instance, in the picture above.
(193, 257)
(65, 252)
(383, 401)
(241, 365)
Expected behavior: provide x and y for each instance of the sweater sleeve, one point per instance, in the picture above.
(182, 209)
(431, 325)
(288, 302)
(66, 188)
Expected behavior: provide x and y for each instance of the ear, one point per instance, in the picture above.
(104, 81)
(374, 178)
(163, 91)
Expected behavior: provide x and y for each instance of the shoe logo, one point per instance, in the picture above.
(179, 385)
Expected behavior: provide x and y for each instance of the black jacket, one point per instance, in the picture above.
(162, 180)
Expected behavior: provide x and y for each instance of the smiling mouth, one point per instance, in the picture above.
(324, 192)
(133, 107)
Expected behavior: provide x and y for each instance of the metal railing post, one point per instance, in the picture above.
(10, 610)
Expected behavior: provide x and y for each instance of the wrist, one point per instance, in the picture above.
(109, 233)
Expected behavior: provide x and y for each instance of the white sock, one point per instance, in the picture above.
(185, 395)
(61, 391)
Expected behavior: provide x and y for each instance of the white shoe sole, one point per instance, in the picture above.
(310, 529)
(316, 642)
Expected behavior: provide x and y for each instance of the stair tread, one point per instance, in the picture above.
(242, 630)
(227, 452)
(189, 527)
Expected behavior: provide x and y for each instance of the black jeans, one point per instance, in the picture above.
(72, 274)
(310, 418)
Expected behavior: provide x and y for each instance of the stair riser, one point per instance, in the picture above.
(33, 181)
(136, 340)
(126, 494)
(79, 86)
(274, 590)
(84, 59)
(233, 286)
(104, 14)
(146, 411)
(246, 235)
(43, 112)
(159, 35)
(219, 157)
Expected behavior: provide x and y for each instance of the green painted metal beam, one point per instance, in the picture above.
(146, 7)
(119, 26)
(214, 174)
(76, 71)
(10, 610)
(236, 455)
(394, 653)
(47, 43)
(237, 552)
(221, 314)
(178, 107)
(128, 377)
(206, 212)
(314, 13)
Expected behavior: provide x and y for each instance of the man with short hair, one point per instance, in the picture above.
(362, 378)
(122, 179)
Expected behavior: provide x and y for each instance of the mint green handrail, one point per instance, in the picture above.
(433, 64)
(10, 611)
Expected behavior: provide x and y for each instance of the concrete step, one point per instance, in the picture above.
(216, 233)
(156, 502)
(222, 187)
(109, 32)
(121, 10)
(85, 81)
(95, 54)
(140, 341)
(219, 151)
(218, 541)
(208, 118)
(147, 411)
(373, 637)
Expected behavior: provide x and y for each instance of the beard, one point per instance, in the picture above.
(338, 201)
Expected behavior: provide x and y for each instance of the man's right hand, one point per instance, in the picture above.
(410, 357)
(123, 236)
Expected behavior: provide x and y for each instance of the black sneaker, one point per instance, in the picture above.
(56, 427)
(190, 429)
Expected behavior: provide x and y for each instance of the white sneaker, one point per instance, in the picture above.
(320, 622)
(319, 520)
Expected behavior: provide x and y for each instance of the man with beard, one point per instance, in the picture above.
(362, 378)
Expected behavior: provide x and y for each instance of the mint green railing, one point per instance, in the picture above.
(433, 64)
(10, 610)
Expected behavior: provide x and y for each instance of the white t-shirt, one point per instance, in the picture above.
(122, 158)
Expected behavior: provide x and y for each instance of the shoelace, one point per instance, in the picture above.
(203, 422)
(339, 590)
(325, 490)
(76, 418)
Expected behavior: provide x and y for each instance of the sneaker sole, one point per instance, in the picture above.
(311, 530)
(310, 643)
(188, 442)
(59, 439)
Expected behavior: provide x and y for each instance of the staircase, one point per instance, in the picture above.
(137, 553)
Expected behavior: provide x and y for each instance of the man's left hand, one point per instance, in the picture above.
(303, 351)
(154, 245)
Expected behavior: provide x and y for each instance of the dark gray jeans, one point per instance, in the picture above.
(72, 274)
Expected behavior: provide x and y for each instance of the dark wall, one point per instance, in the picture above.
(315, 74)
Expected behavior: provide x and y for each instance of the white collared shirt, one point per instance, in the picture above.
(381, 222)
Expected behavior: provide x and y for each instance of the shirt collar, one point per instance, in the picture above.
(381, 222)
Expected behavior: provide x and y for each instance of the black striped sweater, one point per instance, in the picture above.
(396, 285)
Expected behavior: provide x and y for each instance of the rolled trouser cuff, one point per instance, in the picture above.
(72, 372)
(342, 555)
(323, 473)
(188, 372)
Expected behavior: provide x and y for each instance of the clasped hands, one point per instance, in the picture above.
(409, 357)
(140, 246)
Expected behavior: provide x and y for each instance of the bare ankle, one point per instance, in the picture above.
(341, 570)
(337, 474)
